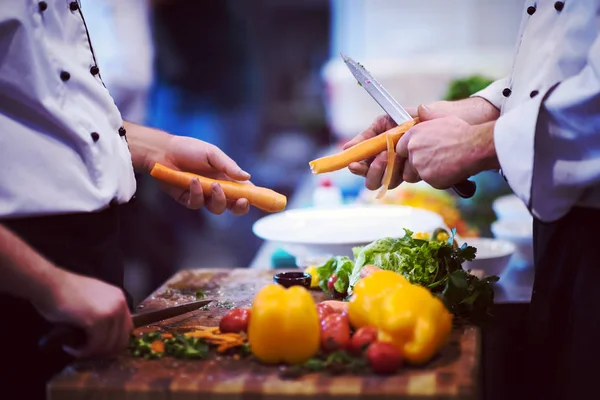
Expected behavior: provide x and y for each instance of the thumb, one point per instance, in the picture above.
(223, 163)
(427, 113)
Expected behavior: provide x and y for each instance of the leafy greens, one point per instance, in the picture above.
(433, 263)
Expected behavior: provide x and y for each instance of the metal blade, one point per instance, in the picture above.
(377, 91)
(149, 317)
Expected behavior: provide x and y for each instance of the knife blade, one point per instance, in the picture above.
(386, 101)
(67, 335)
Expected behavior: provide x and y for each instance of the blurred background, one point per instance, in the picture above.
(263, 80)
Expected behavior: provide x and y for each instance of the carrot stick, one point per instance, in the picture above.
(265, 199)
(360, 151)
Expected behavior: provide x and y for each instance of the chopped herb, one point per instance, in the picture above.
(200, 294)
(337, 362)
(179, 346)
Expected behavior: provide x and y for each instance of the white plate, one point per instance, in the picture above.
(324, 232)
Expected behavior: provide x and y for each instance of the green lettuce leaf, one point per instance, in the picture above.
(340, 266)
(416, 259)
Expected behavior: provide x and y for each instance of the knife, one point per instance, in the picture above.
(465, 189)
(68, 335)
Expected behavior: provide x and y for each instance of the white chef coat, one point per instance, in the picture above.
(62, 145)
(548, 135)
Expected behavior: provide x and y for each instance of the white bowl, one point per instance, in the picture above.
(492, 257)
(520, 233)
(314, 234)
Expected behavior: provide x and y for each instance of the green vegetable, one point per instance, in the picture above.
(200, 294)
(334, 363)
(423, 262)
(141, 346)
(434, 264)
(465, 87)
(467, 296)
(340, 266)
(179, 346)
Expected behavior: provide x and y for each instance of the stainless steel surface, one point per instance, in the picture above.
(377, 91)
(149, 317)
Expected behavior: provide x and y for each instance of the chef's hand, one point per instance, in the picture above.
(444, 150)
(149, 146)
(474, 110)
(96, 307)
(193, 155)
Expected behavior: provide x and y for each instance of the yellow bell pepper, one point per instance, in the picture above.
(415, 321)
(284, 325)
(367, 295)
(408, 316)
(314, 276)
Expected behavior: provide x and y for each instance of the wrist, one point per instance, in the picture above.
(46, 292)
(484, 149)
(147, 146)
(473, 110)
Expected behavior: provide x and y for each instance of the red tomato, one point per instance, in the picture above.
(362, 338)
(337, 306)
(384, 358)
(235, 321)
(330, 282)
(335, 333)
(323, 310)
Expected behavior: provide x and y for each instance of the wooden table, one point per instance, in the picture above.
(454, 374)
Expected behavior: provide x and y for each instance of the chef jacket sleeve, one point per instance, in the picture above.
(493, 92)
(549, 147)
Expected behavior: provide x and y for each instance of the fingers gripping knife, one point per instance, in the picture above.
(465, 189)
(66, 335)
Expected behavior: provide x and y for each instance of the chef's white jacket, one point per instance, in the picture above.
(548, 135)
(63, 148)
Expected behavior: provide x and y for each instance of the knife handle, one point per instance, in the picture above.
(465, 189)
(62, 335)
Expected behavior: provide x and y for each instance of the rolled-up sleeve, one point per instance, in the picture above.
(493, 92)
(549, 147)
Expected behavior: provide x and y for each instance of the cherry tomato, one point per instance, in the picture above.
(323, 310)
(362, 338)
(335, 333)
(337, 306)
(330, 282)
(235, 321)
(384, 358)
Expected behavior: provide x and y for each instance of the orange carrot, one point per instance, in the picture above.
(265, 199)
(391, 158)
(360, 151)
(158, 346)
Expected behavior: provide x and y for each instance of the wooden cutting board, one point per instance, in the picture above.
(453, 374)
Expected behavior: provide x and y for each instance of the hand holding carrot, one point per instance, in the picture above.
(195, 156)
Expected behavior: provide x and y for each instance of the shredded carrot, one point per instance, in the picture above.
(158, 346)
(360, 151)
(217, 338)
(226, 346)
(262, 198)
(167, 336)
(391, 158)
